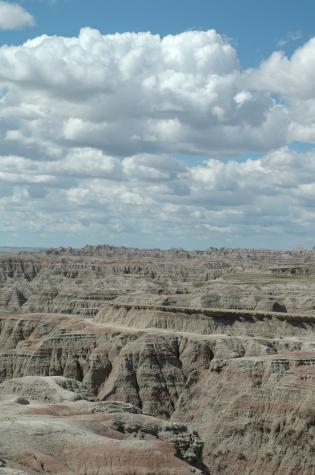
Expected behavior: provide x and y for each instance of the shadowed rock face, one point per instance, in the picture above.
(160, 390)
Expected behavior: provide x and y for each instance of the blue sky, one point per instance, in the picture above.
(202, 137)
(255, 28)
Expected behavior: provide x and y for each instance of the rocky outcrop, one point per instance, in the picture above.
(55, 389)
(294, 271)
(72, 435)
(18, 268)
(128, 361)
(81, 281)
(208, 321)
(187, 444)
(243, 380)
(262, 256)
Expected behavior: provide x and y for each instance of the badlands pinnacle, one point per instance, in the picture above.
(118, 360)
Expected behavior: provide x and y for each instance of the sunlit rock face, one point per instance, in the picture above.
(119, 360)
(81, 281)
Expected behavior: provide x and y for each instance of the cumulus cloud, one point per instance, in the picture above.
(137, 93)
(91, 126)
(146, 194)
(13, 16)
(292, 79)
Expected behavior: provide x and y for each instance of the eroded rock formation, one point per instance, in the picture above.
(241, 383)
(81, 281)
(59, 430)
(119, 361)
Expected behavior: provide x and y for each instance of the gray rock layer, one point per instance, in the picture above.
(243, 380)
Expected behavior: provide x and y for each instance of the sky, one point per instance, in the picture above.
(157, 124)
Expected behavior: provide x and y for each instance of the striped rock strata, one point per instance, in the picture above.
(243, 380)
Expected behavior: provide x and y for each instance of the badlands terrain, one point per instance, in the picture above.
(127, 361)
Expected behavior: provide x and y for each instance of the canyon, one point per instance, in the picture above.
(128, 361)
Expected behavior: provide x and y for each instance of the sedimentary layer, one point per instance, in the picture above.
(242, 380)
(81, 281)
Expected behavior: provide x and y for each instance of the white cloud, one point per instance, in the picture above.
(90, 128)
(289, 38)
(147, 194)
(293, 79)
(13, 16)
(137, 93)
